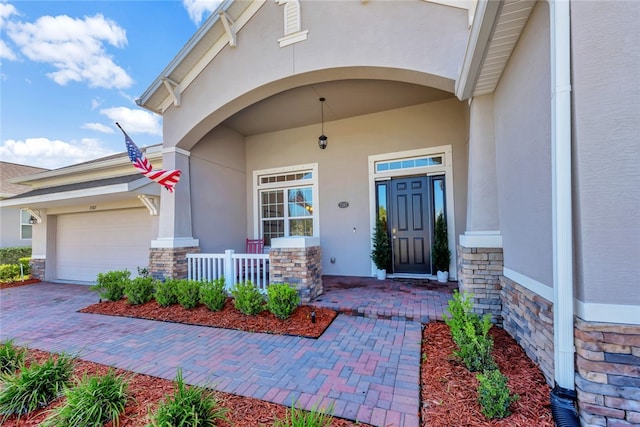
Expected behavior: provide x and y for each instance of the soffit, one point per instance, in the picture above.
(511, 21)
(344, 99)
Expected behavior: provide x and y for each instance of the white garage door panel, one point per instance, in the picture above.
(96, 242)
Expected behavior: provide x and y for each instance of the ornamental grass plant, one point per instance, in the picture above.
(11, 357)
(34, 386)
(91, 403)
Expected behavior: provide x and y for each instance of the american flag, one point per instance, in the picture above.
(167, 178)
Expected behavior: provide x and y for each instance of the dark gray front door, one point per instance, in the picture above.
(411, 225)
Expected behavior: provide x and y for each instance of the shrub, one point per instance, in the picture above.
(34, 386)
(188, 407)
(213, 294)
(93, 402)
(493, 394)
(470, 333)
(282, 300)
(165, 292)
(139, 290)
(11, 357)
(12, 255)
(247, 298)
(9, 272)
(111, 285)
(301, 418)
(188, 293)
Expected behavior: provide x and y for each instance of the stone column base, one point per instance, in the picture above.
(299, 267)
(479, 272)
(608, 377)
(38, 266)
(170, 263)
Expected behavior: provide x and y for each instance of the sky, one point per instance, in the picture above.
(70, 69)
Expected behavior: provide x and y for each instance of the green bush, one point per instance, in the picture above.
(301, 418)
(247, 298)
(11, 357)
(111, 285)
(282, 300)
(139, 290)
(188, 293)
(13, 255)
(493, 394)
(165, 292)
(470, 333)
(35, 386)
(188, 407)
(213, 294)
(92, 403)
(9, 272)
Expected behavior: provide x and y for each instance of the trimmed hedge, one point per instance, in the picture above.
(13, 255)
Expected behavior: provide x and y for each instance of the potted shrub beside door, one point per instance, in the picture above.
(440, 252)
(381, 253)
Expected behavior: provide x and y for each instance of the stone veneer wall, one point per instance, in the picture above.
(37, 268)
(608, 377)
(479, 272)
(170, 263)
(528, 318)
(300, 267)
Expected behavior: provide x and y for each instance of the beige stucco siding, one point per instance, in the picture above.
(415, 41)
(523, 153)
(606, 58)
(218, 181)
(343, 169)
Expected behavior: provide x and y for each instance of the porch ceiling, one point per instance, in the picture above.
(344, 99)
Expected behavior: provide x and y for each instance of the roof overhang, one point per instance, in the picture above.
(496, 28)
(218, 30)
(101, 192)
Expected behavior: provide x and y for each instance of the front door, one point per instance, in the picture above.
(411, 223)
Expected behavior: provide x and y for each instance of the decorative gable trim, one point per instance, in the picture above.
(292, 24)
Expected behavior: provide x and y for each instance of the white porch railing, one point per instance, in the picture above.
(235, 268)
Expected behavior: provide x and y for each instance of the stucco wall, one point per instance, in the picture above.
(343, 169)
(523, 153)
(606, 96)
(412, 41)
(10, 232)
(218, 181)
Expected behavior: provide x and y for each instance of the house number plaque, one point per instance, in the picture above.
(343, 205)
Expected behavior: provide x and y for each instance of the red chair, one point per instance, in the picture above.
(255, 246)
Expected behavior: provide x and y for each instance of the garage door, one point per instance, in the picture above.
(97, 242)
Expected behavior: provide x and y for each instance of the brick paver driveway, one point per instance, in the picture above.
(369, 369)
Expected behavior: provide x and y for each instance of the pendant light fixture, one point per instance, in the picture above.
(322, 139)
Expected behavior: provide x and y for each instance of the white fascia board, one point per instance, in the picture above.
(184, 52)
(484, 22)
(75, 194)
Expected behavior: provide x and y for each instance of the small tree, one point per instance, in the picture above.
(440, 250)
(381, 253)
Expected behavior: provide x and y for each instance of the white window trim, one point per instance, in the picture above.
(313, 182)
(21, 224)
(446, 169)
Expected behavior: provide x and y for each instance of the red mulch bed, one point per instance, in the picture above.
(299, 324)
(19, 283)
(449, 390)
(146, 393)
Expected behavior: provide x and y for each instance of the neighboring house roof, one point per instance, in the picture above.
(9, 171)
(79, 186)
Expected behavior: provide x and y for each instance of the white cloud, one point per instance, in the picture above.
(198, 8)
(6, 10)
(98, 127)
(134, 121)
(51, 154)
(74, 47)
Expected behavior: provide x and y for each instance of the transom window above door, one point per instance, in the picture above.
(286, 202)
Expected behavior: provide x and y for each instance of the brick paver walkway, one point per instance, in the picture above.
(368, 368)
